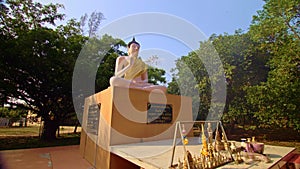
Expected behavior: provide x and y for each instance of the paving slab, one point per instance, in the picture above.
(62, 157)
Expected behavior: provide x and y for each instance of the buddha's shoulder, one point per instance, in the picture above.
(122, 57)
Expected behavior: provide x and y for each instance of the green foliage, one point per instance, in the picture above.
(276, 29)
(156, 75)
(13, 114)
(244, 65)
(108, 59)
(261, 67)
(173, 87)
(20, 16)
(36, 61)
(195, 74)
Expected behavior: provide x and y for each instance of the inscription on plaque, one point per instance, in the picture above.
(93, 119)
(159, 113)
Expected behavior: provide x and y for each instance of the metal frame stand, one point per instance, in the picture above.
(179, 127)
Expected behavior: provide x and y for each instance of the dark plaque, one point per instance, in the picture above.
(159, 113)
(93, 119)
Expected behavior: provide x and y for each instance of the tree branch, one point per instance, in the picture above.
(292, 29)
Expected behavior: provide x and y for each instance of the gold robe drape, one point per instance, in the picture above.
(138, 68)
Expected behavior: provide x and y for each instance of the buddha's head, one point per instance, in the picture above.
(133, 46)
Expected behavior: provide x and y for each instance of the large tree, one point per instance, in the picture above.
(276, 29)
(245, 66)
(243, 63)
(262, 69)
(37, 61)
(200, 75)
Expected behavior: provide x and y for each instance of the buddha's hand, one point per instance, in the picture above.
(134, 54)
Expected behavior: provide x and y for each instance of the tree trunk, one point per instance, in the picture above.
(75, 129)
(26, 121)
(58, 131)
(49, 130)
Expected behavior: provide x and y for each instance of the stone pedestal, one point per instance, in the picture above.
(118, 116)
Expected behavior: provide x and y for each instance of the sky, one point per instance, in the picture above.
(191, 18)
(195, 20)
(211, 16)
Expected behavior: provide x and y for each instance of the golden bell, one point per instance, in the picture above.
(185, 141)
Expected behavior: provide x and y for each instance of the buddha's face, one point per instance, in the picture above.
(133, 48)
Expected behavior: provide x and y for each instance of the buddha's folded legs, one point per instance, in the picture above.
(155, 88)
(121, 82)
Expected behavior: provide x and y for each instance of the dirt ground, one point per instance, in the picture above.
(282, 134)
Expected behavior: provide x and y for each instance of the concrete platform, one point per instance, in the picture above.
(157, 154)
(63, 157)
(148, 155)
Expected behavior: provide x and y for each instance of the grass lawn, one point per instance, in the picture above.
(19, 131)
(32, 130)
(28, 137)
(21, 142)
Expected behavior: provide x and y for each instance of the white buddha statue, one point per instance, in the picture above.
(131, 71)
